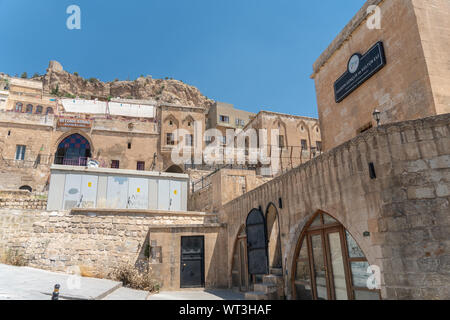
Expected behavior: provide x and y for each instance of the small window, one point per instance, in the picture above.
(319, 146)
(365, 128)
(26, 188)
(49, 110)
(19, 107)
(304, 144)
(224, 140)
(170, 141)
(129, 145)
(115, 164)
(281, 141)
(225, 119)
(39, 110)
(20, 152)
(29, 109)
(189, 124)
(189, 140)
(170, 123)
(140, 166)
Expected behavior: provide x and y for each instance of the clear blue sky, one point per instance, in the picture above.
(256, 54)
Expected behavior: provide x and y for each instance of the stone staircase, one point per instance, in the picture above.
(271, 288)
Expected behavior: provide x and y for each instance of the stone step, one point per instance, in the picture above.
(265, 287)
(258, 295)
(273, 279)
(276, 271)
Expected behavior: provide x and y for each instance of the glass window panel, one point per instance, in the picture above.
(354, 251)
(319, 267)
(303, 291)
(366, 295)
(359, 274)
(337, 263)
(317, 222)
(328, 220)
(303, 265)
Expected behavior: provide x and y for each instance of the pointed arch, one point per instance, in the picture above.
(171, 118)
(273, 237)
(73, 148)
(328, 264)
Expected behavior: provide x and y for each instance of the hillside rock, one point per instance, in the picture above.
(58, 81)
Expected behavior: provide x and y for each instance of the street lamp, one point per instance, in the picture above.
(376, 115)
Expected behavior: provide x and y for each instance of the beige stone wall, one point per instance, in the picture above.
(169, 239)
(405, 209)
(222, 187)
(109, 141)
(181, 118)
(20, 199)
(433, 19)
(100, 240)
(402, 89)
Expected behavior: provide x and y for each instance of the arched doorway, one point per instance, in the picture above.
(256, 243)
(329, 264)
(273, 236)
(174, 169)
(240, 278)
(74, 150)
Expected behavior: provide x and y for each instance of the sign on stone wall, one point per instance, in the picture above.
(74, 123)
(360, 68)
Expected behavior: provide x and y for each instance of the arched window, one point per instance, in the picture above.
(73, 151)
(27, 188)
(49, 110)
(29, 108)
(39, 110)
(19, 106)
(329, 264)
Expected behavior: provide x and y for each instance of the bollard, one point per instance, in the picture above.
(55, 295)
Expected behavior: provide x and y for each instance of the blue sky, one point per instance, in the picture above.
(256, 54)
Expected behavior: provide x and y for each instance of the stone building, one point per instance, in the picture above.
(412, 82)
(223, 116)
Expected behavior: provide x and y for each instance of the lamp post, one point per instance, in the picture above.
(376, 115)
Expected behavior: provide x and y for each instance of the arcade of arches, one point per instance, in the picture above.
(328, 263)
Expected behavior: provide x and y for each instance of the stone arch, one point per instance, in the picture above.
(78, 147)
(174, 169)
(188, 119)
(274, 237)
(297, 240)
(72, 132)
(172, 118)
(278, 122)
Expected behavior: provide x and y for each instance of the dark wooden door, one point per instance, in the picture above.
(192, 271)
(257, 243)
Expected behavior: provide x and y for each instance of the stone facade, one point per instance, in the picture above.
(22, 199)
(413, 84)
(405, 210)
(96, 241)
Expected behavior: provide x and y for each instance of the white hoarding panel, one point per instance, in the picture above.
(138, 193)
(89, 191)
(175, 195)
(117, 193)
(72, 191)
(163, 195)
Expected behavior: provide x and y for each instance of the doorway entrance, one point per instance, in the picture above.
(240, 278)
(256, 243)
(192, 266)
(73, 151)
(329, 264)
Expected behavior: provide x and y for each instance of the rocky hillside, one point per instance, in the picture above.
(60, 82)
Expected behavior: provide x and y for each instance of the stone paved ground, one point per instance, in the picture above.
(197, 295)
(23, 283)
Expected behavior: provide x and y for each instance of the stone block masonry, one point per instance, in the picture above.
(20, 199)
(400, 219)
(96, 241)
